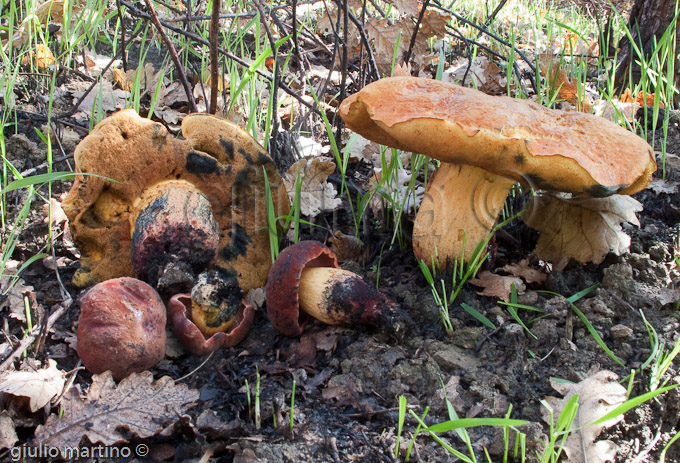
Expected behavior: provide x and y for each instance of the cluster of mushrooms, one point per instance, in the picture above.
(159, 218)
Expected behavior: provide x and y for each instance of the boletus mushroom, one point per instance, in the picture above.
(306, 281)
(486, 144)
(178, 213)
(121, 327)
(192, 334)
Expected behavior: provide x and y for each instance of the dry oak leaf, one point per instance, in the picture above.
(434, 24)
(597, 395)
(8, 435)
(524, 271)
(316, 194)
(559, 81)
(497, 285)
(581, 229)
(39, 386)
(138, 405)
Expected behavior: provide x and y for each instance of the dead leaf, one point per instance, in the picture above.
(581, 229)
(399, 192)
(561, 83)
(102, 98)
(483, 74)
(386, 37)
(316, 194)
(138, 404)
(434, 24)
(54, 213)
(39, 387)
(613, 110)
(598, 395)
(524, 271)
(409, 8)
(14, 288)
(8, 435)
(403, 70)
(642, 98)
(42, 57)
(660, 186)
(497, 285)
(346, 247)
(256, 297)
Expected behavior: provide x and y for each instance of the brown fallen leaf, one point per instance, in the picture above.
(346, 247)
(497, 285)
(581, 229)
(138, 404)
(597, 395)
(14, 288)
(8, 435)
(559, 81)
(39, 387)
(434, 24)
(524, 271)
(316, 194)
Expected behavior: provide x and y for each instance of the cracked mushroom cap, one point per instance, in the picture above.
(551, 150)
(216, 157)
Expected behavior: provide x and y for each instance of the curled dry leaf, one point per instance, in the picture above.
(524, 271)
(498, 285)
(581, 229)
(316, 194)
(660, 186)
(109, 413)
(39, 387)
(346, 247)
(598, 395)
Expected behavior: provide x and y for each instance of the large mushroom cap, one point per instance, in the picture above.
(217, 157)
(552, 150)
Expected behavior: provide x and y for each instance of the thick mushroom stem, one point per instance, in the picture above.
(336, 296)
(458, 212)
(174, 235)
(215, 301)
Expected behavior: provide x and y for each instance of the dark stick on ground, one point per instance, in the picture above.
(174, 56)
(214, 57)
(409, 52)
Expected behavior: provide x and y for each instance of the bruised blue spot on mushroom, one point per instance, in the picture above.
(201, 164)
(238, 246)
(228, 147)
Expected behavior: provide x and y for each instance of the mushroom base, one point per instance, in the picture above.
(458, 212)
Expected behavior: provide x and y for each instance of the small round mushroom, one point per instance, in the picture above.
(486, 145)
(121, 327)
(306, 280)
(182, 310)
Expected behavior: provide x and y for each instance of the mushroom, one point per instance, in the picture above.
(121, 327)
(180, 310)
(306, 276)
(486, 145)
(166, 209)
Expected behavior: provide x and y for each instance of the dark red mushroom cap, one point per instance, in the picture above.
(121, 327)
(283, 308)
(179, 310)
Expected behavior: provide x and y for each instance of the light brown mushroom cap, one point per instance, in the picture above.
(548, 149)
(217, 157)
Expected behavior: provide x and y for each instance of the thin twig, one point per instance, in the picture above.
(493, 14)
(214, 60)
(28, 340)
(364, 40)
(275, 84)
(407, 56)
(198, 39)
(122, 34)
(173, 54)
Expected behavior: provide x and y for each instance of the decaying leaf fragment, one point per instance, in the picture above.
(497, 285)
(39, 386)
(581, 229)
(8, 435)
(316, 194)
(598, 395)
(525, 271)
(137, 404)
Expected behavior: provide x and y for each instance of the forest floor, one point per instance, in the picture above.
(347, 380)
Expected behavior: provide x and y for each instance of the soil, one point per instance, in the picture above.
(348, 379)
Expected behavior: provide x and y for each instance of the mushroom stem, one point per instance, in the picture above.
(336, 296)
(458, 212)
(174, 234)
